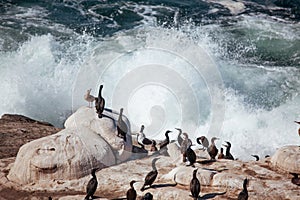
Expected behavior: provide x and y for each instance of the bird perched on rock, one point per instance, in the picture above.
(212, 149)
(221, 154)
(100, 103)
(179, 138)
(141, 138)
(228, 154)
(195, 185)
(121, 126)
(151, 176)
(89, 98)
(243, 195)
(185, 144)
(256, 157)
(164, 143)
(91, 186)
(148, 196)
(131, 193)
(203, 141)
(153, 146)
(295, 179)
(191, 155)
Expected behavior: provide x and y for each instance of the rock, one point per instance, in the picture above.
(69, 154)
(16, 130)
(106, 127)
(183, 175)
(287, 158)
(174, 151)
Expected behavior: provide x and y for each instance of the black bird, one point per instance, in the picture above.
(191, 155)
(295, 179)
(91, 186)
(151, 176)
(100, 103)
(221, 154)
(228, 154)
(195, 185)
(141, 138)
(256, 157)
(203, 141)
(179, 138)
(243, 195)
(166, 141)
(212, 149)
(131, 193)
(121, 126)
(148, 196)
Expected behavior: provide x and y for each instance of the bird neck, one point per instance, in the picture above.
(228, 150)
(120, 116)
(167, 136)
(93, 174)
(154, 167)
(245, 186)
(198, 141)
(131, 185)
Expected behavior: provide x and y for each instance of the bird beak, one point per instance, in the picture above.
(178, 129)
(225, 145)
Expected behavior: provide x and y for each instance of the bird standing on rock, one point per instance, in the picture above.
(131, 193)
(151, 176)
(164, 143)
(89, 98)
(186, 142)
(212, 149)
(141, 138)
(191, 155)
(91, 186)
(243, 195)
(121, 126)
(195, 185)
(228, 154)
(203, 141)
(100, 103)
(221, 154)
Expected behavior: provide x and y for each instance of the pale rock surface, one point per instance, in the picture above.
(87, 142)
(69, 154)
(287, 158)
(106, 127)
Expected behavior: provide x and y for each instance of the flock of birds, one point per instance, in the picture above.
(185, 146)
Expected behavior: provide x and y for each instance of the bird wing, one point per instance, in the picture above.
(91, 187)
(150, 178)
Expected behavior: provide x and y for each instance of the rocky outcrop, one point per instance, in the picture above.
(287, 159)
(87, 142)
(16, 130)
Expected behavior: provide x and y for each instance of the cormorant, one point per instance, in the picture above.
(141, 138)
(203, 141)
(228, 154)
(153, 146)
(148, 196)
(256, 157)
(166, 141)
(212, 149)
(91, 186)
(179, 138)
(184, 146)
(121, 126)
(195, 185)
(191, 155)
(151, 176)
(89, 98)
(243, 195)
(295, 179)
(100, 103)
(221, 155)
(131, 193)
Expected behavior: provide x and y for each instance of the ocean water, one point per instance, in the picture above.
(215, 68)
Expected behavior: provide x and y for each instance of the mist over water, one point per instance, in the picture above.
(45, 71)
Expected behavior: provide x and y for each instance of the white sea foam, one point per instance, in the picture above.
(46, 78)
